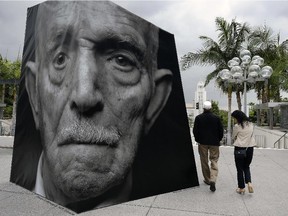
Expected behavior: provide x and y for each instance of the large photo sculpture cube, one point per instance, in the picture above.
(101, 116)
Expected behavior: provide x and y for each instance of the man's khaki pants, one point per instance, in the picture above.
(205, 151)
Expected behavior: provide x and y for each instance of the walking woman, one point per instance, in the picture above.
(243, 139)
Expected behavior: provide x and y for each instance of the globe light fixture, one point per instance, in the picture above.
(245, 69)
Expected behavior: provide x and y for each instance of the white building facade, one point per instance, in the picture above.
(200, 97)
(196, 107)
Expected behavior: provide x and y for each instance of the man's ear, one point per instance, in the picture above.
(163, 87)
(32, 90)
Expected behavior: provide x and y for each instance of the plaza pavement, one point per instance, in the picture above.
(269, 175)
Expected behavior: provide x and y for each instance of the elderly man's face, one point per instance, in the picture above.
(93, 88)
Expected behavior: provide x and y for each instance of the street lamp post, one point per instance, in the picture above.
(244, 69)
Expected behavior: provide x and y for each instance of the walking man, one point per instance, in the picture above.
(208, 132)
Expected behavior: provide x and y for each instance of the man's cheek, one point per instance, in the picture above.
(133, 98)
(130, 109)
(54, 101)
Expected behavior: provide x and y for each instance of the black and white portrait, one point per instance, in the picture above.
(101, 115)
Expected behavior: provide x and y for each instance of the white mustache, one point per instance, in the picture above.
(88, 134)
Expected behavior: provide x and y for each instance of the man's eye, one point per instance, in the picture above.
(123, 63)
(60, 61)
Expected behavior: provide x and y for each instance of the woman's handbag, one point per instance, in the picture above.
(240, 153)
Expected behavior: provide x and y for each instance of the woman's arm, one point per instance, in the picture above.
(235, 132)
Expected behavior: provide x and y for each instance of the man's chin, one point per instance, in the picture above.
(86, 158)
(109, 194)
(79, 186)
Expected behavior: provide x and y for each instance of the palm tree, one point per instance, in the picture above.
(263, 42)
(230, 39)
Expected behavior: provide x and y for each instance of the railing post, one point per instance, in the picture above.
(278, 142)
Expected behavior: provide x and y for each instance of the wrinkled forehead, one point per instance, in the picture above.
(96, 19)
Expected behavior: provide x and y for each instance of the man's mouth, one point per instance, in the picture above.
(83, 142)
(99, 136)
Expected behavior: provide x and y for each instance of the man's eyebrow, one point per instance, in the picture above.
(60, 37)
(121, 42)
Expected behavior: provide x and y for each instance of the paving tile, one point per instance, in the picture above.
(202, 200)
(142, 202)
(5, 161)
(13, 188)
(4, 195)
(58, 211)
(119, 210)
(23, 204)
(169, 212)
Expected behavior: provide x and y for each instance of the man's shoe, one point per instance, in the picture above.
(212, 186)
(206, 182)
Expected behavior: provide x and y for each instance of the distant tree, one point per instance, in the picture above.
(4, 67)
(252, 112)
(215, 107)
(190, 120)
(9, 70)
(223, 114)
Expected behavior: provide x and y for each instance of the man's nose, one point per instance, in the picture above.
(86, 95)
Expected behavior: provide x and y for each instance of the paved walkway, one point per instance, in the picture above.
(269, 174)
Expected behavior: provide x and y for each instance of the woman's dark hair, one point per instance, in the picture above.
(240, 117)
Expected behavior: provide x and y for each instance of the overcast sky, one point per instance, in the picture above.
(187, 20)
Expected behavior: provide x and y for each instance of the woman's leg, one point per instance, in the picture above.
(239, 162)
(248, 160)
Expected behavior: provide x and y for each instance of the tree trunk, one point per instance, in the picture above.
(265, 99)
(238, 98)
(229, 115)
